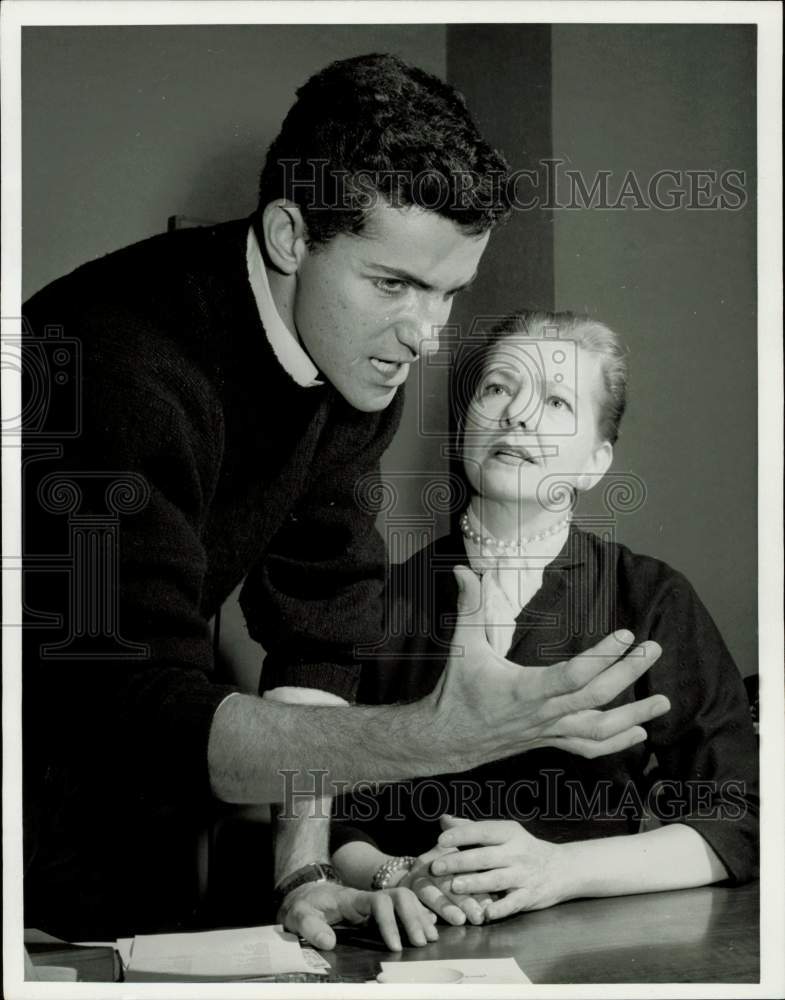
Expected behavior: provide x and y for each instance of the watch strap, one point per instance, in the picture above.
(317, 871)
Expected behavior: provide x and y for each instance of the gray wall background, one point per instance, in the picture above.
(679, 286)
(123, 127)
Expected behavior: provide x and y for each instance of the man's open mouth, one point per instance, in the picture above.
(387, 367)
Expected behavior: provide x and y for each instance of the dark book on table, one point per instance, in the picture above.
(93, 964)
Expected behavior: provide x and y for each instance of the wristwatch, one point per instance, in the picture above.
(316, 872)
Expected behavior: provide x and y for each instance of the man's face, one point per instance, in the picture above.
(365, 304)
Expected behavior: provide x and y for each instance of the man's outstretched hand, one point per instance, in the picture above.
(487, 707)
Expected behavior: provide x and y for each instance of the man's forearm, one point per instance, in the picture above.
(483, 708)
(263, 751)
(301, 838)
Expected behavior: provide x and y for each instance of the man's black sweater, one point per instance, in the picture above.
(224, 469)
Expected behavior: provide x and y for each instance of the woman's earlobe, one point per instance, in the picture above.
(601, 462)
(284, 235)
(585, 482)
(604, 456)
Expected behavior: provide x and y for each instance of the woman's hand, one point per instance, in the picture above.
(436, 894)
(530, 872)
(311, 909)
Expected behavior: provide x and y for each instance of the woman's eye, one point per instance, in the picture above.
(495, 389)
(390, 286)
(557, 403)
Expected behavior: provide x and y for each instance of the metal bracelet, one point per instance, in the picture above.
(384, 873)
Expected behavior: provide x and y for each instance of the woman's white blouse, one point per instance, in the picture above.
(508, 581)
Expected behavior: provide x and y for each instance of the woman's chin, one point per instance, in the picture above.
(510, 484)
(510, 496)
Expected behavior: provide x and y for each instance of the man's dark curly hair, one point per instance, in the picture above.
(370, 126)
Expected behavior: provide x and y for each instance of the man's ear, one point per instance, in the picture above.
(284, 235)
(597, 466)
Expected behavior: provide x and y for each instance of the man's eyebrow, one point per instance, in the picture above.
(398, 272)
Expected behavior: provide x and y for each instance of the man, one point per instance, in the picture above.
(237, 383)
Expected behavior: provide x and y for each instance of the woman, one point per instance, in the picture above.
(541, 404)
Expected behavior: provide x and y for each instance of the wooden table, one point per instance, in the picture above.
(707, 935)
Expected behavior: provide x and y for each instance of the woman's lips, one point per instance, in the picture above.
(513, 454)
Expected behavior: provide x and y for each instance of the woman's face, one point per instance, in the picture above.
(533, 421)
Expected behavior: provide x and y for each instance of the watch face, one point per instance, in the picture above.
(326, 873)
(315, 872)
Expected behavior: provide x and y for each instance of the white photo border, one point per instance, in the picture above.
(768, 17)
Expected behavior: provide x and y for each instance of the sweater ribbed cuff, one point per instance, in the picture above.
(188, 724)
(333, 677)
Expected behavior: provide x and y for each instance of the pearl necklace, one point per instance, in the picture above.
(507, 544)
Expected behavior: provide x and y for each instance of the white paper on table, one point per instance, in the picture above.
(244, 951)
(315, 961)
(475, 970)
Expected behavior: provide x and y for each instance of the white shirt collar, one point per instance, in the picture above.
(513, 579)
(285, 345)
